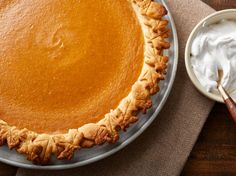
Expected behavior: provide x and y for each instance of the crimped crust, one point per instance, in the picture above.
(39, 147)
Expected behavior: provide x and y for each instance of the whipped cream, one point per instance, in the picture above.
(213, 56)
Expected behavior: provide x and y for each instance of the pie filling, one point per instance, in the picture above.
(66, 63)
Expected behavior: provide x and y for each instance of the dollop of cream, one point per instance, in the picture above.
(213, 56)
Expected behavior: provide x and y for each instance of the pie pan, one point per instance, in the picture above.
(85, 156)
(211, 19)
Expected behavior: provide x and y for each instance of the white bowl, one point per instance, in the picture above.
(211, 19)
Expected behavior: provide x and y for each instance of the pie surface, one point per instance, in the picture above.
(63, 68)
(75, 72)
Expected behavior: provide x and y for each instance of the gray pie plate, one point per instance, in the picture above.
(86, 156)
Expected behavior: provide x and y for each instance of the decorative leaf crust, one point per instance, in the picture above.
(39, 147)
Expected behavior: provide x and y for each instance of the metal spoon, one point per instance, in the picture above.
(229, 102)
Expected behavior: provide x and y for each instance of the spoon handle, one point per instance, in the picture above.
(228, 101)
(231, 107)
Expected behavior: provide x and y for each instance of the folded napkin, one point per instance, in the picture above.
(164, 147)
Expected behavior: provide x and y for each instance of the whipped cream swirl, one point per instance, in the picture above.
(213, 56)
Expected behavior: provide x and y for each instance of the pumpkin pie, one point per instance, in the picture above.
(75, 72)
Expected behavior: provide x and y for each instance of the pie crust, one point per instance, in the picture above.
(39, 147)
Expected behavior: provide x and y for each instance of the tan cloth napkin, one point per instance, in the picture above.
(164, 147)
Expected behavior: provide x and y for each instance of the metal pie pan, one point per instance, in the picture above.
(87, 156)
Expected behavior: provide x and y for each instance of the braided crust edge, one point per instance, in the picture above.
(39, 147)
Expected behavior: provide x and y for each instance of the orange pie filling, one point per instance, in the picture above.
(66, 63)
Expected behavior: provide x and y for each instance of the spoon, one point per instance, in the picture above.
(229, 102)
